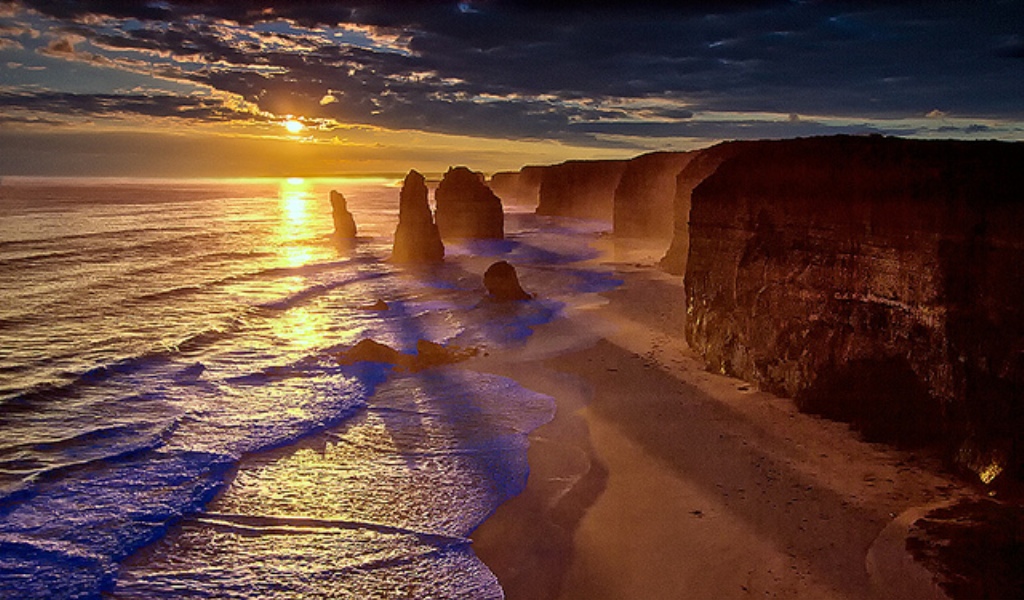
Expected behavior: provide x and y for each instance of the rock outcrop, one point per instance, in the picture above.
(344, 224)
(583, 189)
(416, 237)
(876, 280)
(467, 208)
(701, 165)
(428, 355)
(502, 283)
(518, 187)
(644, 198)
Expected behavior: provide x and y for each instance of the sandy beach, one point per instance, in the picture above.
(658, 479)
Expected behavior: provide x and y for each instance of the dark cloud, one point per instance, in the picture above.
(33, 120)
(737, 129)
(573, 71)
(184, 107)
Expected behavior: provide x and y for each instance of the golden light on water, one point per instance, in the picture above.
(294, 195)
(303, 327)
(295, 198)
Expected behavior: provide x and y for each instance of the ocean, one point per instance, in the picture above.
(174, 420)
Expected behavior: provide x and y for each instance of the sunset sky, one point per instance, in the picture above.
(206, 88)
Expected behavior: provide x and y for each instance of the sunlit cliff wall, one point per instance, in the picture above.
(583, 189)
(518, 187)
(644, 196)
(701, 164)
(876, 280)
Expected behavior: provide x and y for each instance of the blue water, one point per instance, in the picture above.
(162, 340)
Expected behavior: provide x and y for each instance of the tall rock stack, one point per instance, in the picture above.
(416, 238)
(467, 208)
(344, 224)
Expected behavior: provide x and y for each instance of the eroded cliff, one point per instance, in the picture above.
(644, 197)
(876, 280)
(701, 165)
(518, 187)
(583, 189)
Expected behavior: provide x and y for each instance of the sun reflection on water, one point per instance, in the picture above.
(304, 327)
(294, 193)
(294, 196)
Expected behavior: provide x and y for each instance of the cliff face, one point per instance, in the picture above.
(467, 208)
(580, 188)
(875, 280)
(518, 187)
(701, 165)
(644, 198)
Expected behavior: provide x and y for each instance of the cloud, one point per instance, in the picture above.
(29, 120)
(147, 105)
(61, 46)
(575, 72)
(972, 129)
(740, 128)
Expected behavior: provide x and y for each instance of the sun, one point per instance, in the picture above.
(294, 126)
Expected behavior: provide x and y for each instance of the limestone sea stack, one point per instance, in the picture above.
(467, 208)
(417, 239)
(344, 224)
(876, 280)
(502, 283)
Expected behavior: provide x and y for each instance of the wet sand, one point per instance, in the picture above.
(658, 479)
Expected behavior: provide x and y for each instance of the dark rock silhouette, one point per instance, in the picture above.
(644, 198)
(428, 354)
(344, 224)
(874, 279)
(368, 350)
(583, 189)
(416, 238)
(379, 305)
(467, 208)
(518, 187)
(502, 283)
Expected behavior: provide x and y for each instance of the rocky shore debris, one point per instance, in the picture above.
(502, 283)
(379, 305)
(428, 354)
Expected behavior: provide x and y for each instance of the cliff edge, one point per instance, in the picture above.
(876, 280)
(584, 189)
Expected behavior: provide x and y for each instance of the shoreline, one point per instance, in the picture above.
(696, 484)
